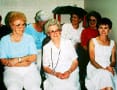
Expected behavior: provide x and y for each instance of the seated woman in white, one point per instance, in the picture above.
(59, 60)
(101, 74)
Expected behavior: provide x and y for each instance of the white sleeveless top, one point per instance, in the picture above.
(103, 53)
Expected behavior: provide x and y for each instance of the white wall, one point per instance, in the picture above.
(30, 7)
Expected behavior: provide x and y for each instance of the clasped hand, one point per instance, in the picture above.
(64, 75)
(14, 62)
(110, 69)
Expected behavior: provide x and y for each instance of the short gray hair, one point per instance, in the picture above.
(41, 16)
(52, 22)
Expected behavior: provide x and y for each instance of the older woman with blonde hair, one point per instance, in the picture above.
(18, 55)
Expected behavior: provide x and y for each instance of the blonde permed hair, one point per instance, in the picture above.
(15, 15)
(52, 22)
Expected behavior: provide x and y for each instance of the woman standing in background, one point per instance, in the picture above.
(36, 30)
(92, 18)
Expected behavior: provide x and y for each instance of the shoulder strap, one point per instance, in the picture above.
(94, 40)
(112, 43)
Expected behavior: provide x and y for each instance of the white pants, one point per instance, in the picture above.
(16, 79)
(39, 59)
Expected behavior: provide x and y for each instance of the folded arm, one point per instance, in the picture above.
(24, 61)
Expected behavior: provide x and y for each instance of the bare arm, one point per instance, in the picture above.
(52, 72)
(73, 66)
(85, 48)
(113, 56)
(48, 70)
(92, 55)
(25, 61)
(113, 60)
(66, 74)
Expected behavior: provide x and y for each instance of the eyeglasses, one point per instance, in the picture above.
(54, 31)
(92, 20)
(18, 25)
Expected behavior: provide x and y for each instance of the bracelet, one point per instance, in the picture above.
(19, 60)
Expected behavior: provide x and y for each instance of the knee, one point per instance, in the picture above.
(14, 87)
(34, 88)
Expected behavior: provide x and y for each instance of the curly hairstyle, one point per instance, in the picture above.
(105, 21)
(94, 14)
(14, 15)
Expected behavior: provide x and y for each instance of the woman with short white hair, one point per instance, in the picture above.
(59, 60)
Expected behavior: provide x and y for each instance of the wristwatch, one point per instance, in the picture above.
(19, 59)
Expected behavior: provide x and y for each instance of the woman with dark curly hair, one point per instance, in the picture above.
(101, 74)
(92, 19)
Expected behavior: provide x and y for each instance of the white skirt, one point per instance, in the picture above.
(54, 83)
